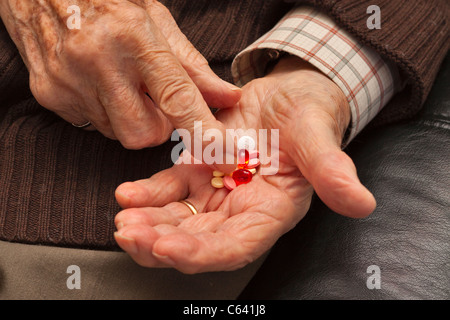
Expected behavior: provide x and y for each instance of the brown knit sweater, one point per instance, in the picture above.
(57, 182)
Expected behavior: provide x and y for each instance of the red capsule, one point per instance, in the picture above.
(243, 158)
(241, 176)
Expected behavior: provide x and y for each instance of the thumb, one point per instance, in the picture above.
(317, 153)
(216, 92)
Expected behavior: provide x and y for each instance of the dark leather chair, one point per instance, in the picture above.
(407, 167)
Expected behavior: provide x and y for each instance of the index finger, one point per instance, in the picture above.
(174, 92)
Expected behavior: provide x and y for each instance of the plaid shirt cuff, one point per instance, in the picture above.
(364, 77)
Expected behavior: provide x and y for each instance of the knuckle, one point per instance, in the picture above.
(177, 97)
(138, 142)
(137, 14)
(132, 143)
(122, 11)
(161, 133)
(157, 10)
(75, 47)
(128, 21)
(193, 56)
(82, 48)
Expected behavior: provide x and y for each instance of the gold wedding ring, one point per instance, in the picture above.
(190, 206)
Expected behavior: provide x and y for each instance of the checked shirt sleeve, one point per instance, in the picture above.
(365, 78)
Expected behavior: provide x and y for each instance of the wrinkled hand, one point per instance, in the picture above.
(102, 72)
(235, 228)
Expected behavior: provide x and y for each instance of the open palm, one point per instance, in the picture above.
(233, 228)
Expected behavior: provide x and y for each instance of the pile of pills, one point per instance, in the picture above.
(248, 162)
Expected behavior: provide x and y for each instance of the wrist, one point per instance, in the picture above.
(289, 63)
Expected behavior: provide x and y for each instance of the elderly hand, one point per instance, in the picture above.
(102, 72)
(235, 228)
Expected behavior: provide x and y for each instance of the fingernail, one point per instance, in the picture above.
(119, 226)
(130, 244)
(232, 87)
(164, 259)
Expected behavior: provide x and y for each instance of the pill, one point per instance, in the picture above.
(253, 163)
(246, 142)
(229, 183)
(243, 158)
(218, 173)
(253, 154)
(217, 182)
(242, 176)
